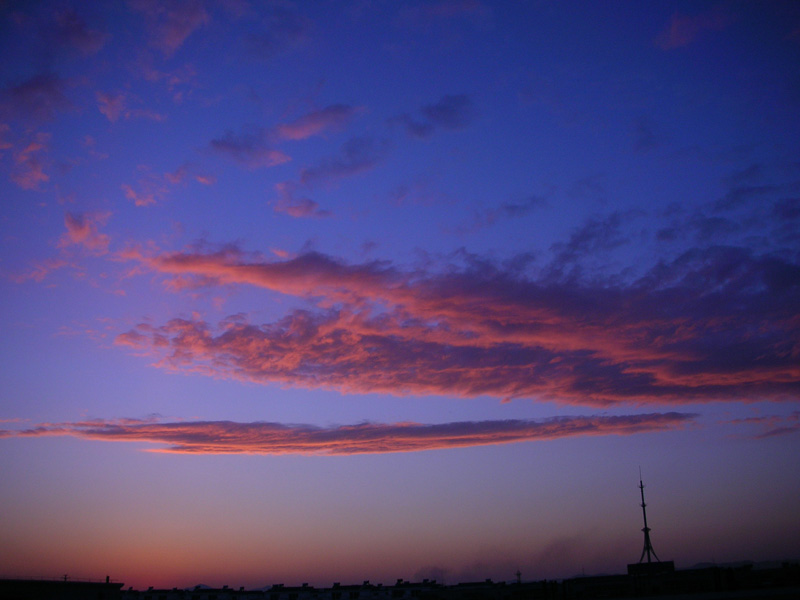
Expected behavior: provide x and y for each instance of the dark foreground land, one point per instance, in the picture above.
(708, 583)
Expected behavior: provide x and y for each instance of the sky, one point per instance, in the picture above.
(340, 291)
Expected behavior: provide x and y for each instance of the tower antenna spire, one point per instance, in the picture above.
(648, 547)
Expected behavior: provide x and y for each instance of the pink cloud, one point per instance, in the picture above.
(28, 170)
(82, 230)
(152, 188)
(299, 207)
(205, 179)
(685, 29)
(141, 197)
(41, 269)
(485, 331)
(111, 105)
(333, 117)
(186, 171)
(114, 106)
(225, 437)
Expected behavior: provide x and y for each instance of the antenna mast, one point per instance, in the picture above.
(648, 547)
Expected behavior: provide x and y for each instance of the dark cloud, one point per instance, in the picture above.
(451, 112)
(71, 31)
(280, 28)
(252, 148)
(357, 155)
(591, 186)
(787, 209)
(644, 136)
(426, 14)
(39, 97)
(594, 236)
(505, 210)
(742, 195)
(745, 176)
(171, 22)
(256, 146)
(414, 128)
(772, 425)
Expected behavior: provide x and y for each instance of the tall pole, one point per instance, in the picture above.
(648, 547)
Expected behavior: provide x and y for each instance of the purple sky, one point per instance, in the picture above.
(333, 291)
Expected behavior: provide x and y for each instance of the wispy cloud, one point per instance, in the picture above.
(428, 13)
(39, 97)
(115, 105)
(682, 30)
(279, 29)
(256, 146)
(505, 210)
(28, 168)
(69, 30)
(150, 188)
(170, 23)
(594, 237)
(645, 137)
(357, 155)
(226, 437)
(82, 230)
(189, 171)
(252, 148)
(291, 204)
(333, 117)
(771, 425)
(41, 269)
(451, 112)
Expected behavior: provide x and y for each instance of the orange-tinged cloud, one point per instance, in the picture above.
(485, 331)
(226, 437)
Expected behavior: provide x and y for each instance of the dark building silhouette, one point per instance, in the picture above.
(61, 589)
(708, 583)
